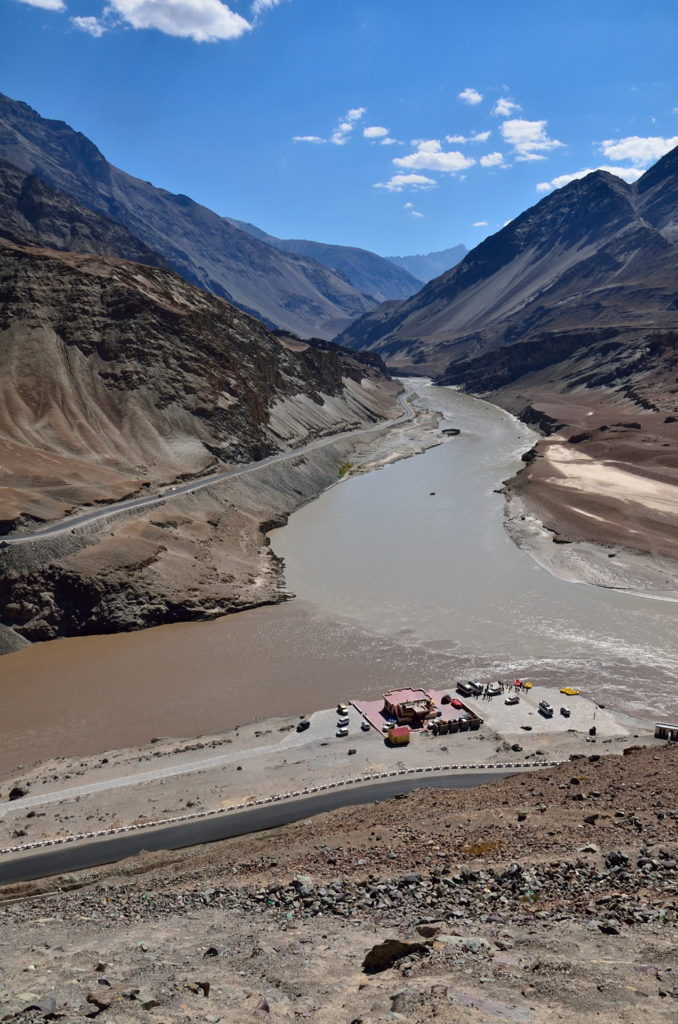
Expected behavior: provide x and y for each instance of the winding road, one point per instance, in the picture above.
(92, 853)
(71, 522)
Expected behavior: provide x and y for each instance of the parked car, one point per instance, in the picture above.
(494, 689)
(565, 711)
(456, 703)
(365, 726)
(343, 722)
(342, 731)
(512, 698)
(303, 725)
(545, 709)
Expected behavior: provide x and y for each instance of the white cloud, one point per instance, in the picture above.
(430, 157)
(47, 5)
(473, 137)
(92, 26)
(375, 132)
(410, 181)
(470, 96)
(307, 138)
(492, 160)
(204, 21)
(505, 107)
(388, 141)
(259, 6)
(640, 151)
(346, 125)
(528, 138)
(480, 224)
(629, 174)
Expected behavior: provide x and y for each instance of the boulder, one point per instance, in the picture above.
(387, 953)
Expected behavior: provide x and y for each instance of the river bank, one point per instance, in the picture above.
(597, 499)
(169, 777)
(196, 555)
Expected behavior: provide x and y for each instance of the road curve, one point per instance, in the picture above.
(78, 856)
(68, 524)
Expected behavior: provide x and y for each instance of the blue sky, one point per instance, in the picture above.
(402, 126)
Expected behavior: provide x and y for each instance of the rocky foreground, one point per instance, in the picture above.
(546, 898)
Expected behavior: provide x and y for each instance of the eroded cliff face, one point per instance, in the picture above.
(117, 378)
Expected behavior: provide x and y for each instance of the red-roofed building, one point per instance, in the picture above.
(409, 706)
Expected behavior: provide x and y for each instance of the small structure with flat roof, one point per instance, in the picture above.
(399, 735)
(411, 707)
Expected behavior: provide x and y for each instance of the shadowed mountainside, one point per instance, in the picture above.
(374, 275)
(595, 260)
(279, 288)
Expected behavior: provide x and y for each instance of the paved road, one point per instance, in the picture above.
(77, 856)
(291, 741)
(66, 525)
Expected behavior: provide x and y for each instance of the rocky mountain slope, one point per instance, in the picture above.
(374, 275)
(282, 289)
(428, 265)
(542, 898)
(117, 377)
(569, 318)
(594, 261)
(32, 212)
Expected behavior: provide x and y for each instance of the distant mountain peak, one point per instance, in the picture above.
(426, 266)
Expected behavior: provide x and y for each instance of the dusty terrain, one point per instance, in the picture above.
(538, 899)
(598, 497)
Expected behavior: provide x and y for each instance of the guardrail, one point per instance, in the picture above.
(247, 804)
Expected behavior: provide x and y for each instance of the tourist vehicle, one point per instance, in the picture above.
(342, 709)
(365, 726)
(303, 724)
(494, 689)
(456, 703)
(565, 711)
(512, 698)
(469, 689)
(343, 722)
(342, 730)
(545, 709)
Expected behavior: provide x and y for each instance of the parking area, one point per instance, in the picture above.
(512, 720)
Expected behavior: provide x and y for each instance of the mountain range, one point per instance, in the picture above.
(309, 288)
(281, 289)
(595, 261)
(371, 274)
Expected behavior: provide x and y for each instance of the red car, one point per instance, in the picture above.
(456, 703)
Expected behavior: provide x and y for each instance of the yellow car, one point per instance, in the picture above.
(570, 691)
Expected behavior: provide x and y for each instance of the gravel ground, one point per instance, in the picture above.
(546, 898)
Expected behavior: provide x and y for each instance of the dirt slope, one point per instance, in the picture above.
(534, 900)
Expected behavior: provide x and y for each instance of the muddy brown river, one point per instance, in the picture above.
(396, 585)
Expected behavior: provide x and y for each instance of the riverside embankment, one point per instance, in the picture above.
(395, 586)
